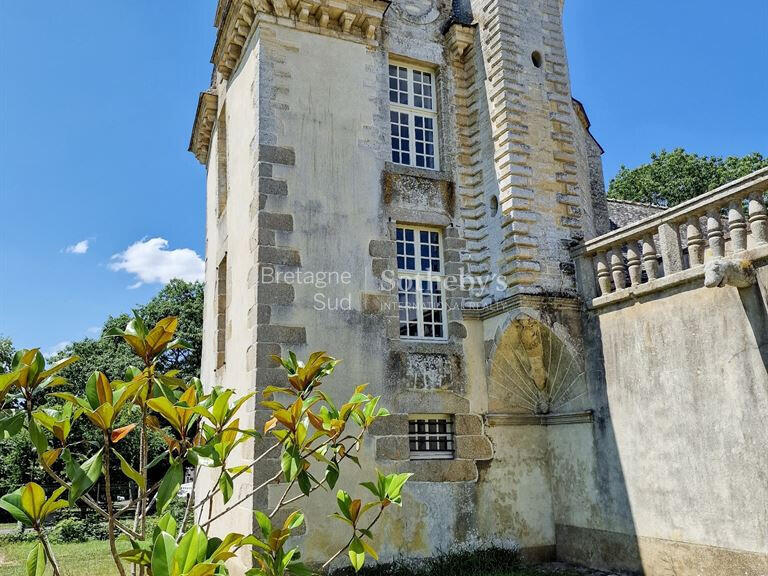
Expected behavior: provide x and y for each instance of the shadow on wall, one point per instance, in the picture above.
(596, 528)
(755, 302)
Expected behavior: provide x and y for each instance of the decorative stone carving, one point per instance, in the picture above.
(200, 143)
(729, 272)
(416, 11)
(357, 20)
(533, 372)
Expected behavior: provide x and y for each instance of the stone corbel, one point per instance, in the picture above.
(346, 20)
(323, 17)
(281, 8)
(200, 142)
(460, 38)
(303, 11)
(370, 25)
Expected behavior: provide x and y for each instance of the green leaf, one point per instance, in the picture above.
(130, 471)
(11, 503)
(162, 555)
(166, 524)
(289, 463)
(305, 485)
(169, 486)
(38, 438)
(191, 550)
(344, 500)
(226, 486)
(82, 476)
(356, 554)
(11, 425)
(264, 523)
(293, 521)
(332, 474)
(36, 560)
(32, 500)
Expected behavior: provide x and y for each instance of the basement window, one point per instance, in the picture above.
(431, 437)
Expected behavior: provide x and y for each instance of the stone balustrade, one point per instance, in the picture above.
(674, 245)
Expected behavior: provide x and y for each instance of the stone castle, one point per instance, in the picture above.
(410, 186)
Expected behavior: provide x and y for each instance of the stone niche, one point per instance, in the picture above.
(406, 191)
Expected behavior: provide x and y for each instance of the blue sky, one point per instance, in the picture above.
(97, 101)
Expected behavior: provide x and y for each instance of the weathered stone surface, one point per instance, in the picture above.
(468, 424)
(474, 448)
(392, 425)
(392, 448)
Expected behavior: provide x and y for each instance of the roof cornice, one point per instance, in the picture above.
(356, 20)
(205, 117)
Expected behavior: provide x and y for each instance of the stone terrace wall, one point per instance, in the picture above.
(674, 477)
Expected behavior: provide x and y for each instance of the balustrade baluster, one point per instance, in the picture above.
(715, 233)
(650, 259)
(603, 274)
(618, 270)
(758, 219)
(737, 226)
(695, 241)
(634, 263)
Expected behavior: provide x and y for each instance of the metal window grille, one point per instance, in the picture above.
(431, 438)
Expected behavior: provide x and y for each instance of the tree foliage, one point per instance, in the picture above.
(201, 428)
(674, 177)
(6, 354)
(180, 299)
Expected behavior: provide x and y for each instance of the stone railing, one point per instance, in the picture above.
(673, 246)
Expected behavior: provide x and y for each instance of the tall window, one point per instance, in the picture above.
(420, 277)
(221, 149)
(413, 116)
(221, 313)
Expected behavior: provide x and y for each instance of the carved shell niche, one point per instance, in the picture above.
(533, 372)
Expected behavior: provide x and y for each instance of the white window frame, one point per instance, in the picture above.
(412, 111)
(433, 454)
(417, 276)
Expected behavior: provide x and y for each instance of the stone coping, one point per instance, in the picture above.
(522, 300)
(757, 255)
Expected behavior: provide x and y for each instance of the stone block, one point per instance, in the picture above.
(277, 155)
(282, 334)
(278, 294)
(392, 448)
(474, 448)
(457, 330)
(392, 425)
(439, 470)
(381, 248)
(272, 186)
(373, 303)
(274, 221)
(468, 424)
(279, 256)
(379, 266)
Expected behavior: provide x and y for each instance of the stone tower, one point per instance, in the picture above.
(399, 184)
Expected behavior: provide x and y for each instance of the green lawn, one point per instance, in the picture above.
(87, 559)
(93, 559)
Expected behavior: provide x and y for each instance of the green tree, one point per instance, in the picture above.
(183, 300)
(674, 177)
(6, 354)
(199, 429)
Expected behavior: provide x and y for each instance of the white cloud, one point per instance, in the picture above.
(79, 248)
(56, 348)
(151, 262)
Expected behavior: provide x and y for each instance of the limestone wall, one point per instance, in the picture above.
(672, 478)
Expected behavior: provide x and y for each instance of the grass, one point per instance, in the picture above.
(86, 559)
(93, 559)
